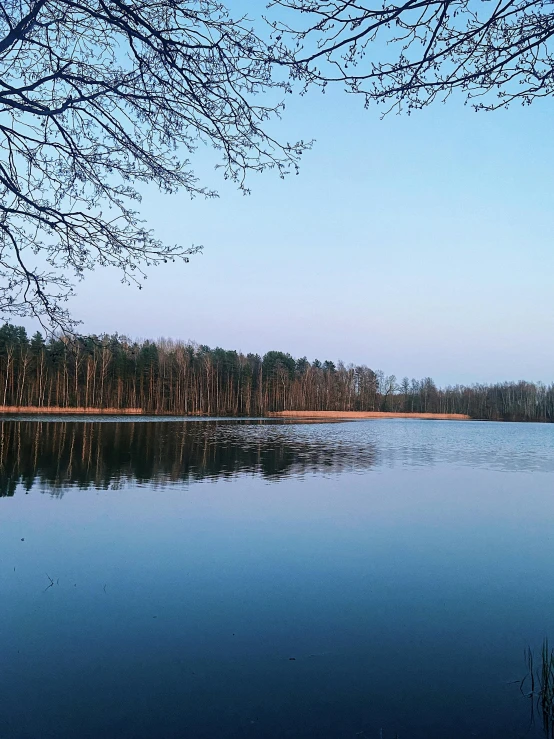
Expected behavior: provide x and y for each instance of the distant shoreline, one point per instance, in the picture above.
(316, 415)
(304, 415)
(55, 410)
(102, 376)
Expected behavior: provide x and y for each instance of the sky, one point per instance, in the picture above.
(420, 245)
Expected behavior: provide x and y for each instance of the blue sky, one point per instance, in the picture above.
(421, 245)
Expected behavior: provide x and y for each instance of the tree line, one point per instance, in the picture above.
(185, 378)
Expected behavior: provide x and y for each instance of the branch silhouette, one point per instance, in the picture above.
(407, 55)
(98, 97)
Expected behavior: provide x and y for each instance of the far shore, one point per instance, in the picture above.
(368, 414)
(70, 411)
(304, 415)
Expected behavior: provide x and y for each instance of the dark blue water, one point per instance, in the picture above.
(231, 579)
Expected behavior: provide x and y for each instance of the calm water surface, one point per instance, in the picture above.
(254, 579)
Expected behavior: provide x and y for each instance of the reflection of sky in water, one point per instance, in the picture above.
(406, 596)
(503, 446)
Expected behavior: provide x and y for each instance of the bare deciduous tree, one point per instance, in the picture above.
(409, 54)
(99, 95)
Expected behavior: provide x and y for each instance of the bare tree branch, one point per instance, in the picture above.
(98, 96)
(409, 54)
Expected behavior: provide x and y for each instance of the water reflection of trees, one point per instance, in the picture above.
(57, 455)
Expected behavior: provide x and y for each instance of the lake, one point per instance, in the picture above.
(190, 578)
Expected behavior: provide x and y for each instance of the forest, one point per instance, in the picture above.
(185, 378)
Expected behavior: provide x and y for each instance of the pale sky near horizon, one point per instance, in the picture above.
(420, 245)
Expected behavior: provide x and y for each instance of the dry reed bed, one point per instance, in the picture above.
(368, 414)
(59, 410)
(308, 415)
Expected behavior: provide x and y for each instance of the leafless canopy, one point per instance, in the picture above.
(408, 54)
(98, 95)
